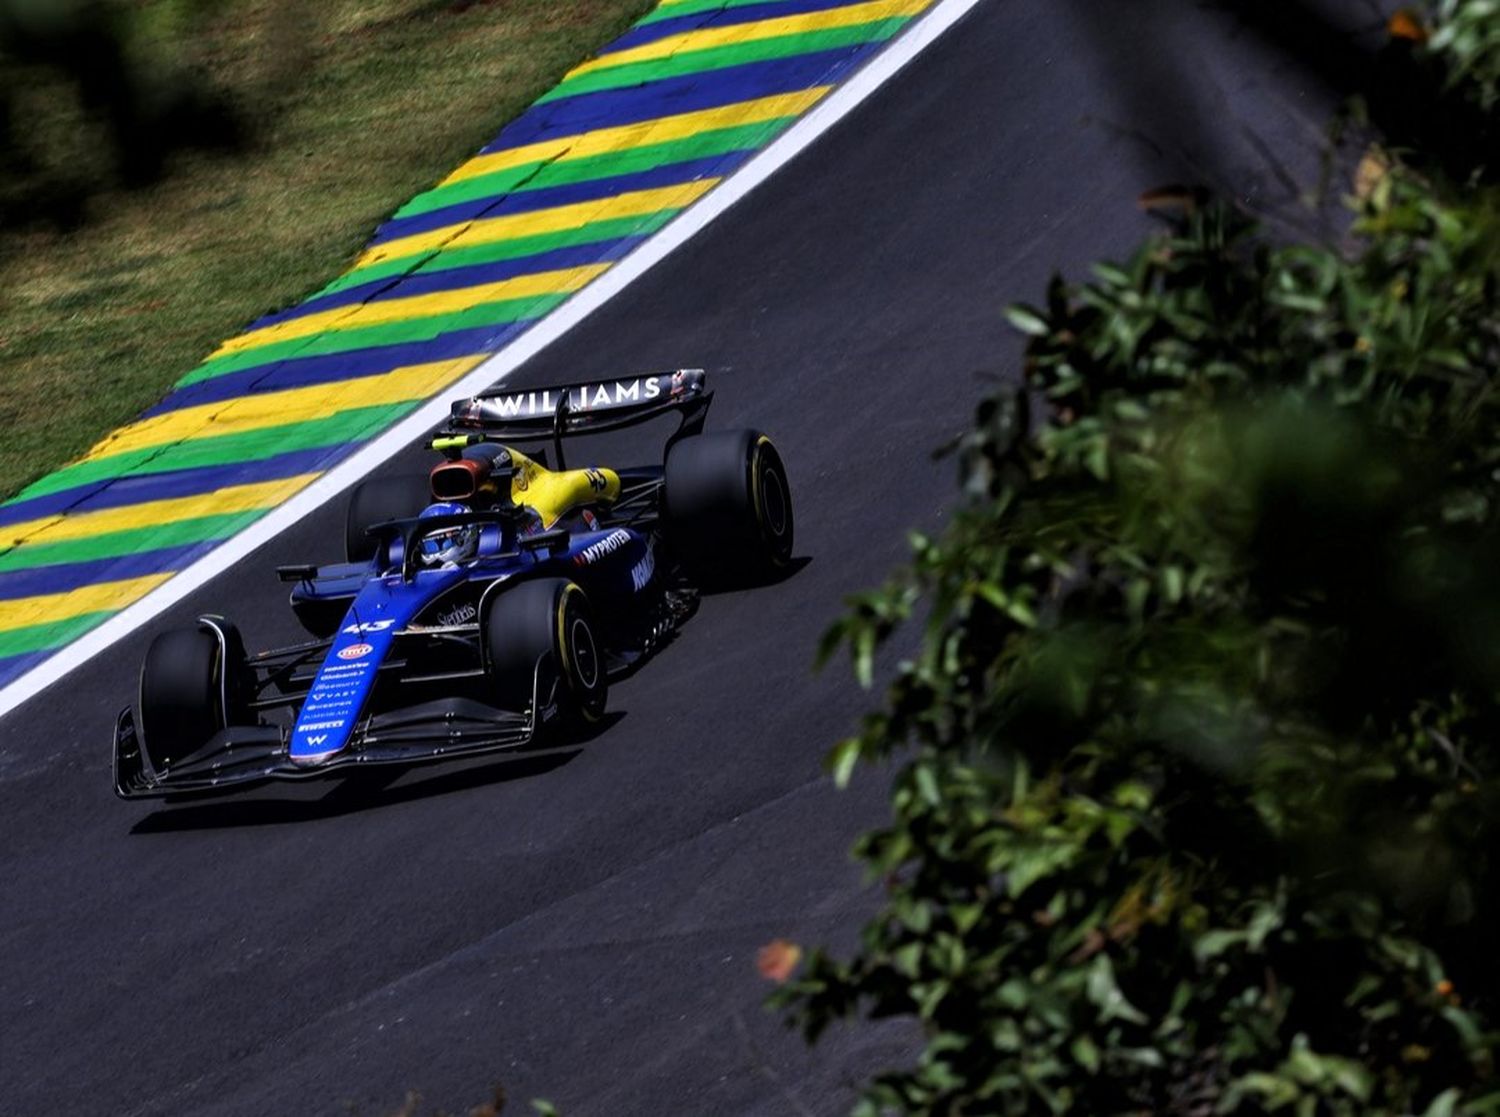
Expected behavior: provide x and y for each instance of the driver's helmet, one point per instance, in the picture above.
(450, 545)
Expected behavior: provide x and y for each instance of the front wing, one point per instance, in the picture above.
(448, 729)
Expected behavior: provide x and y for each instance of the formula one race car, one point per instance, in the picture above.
(483, 605)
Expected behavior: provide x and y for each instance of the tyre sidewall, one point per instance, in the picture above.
(771, 501)
(181, 695)
(549, 620)
(728, 507)
(583, 668)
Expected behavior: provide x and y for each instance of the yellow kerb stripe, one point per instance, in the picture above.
(294, 405)
(487, 231)
(415, 306)
(48, 608)
(238, 498)
(753, 32)
(662, 129)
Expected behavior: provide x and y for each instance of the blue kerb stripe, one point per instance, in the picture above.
(13, 667)
(138, 488)
(586, 112)
(300, 372)
(75, 575)
(453, 279)
(719, 17)
(527, 201)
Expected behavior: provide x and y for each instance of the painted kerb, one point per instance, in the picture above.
(293, 411)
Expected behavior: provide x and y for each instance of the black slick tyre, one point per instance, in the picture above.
(548, 622)
(728, 507)
(376, 501)
(182, 695)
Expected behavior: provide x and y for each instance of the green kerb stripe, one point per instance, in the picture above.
(719, 58)
(693, 7)
(353, 425)
(334, 341)
(36, 637)
(566, 172)
(497, 185)
(133, 542)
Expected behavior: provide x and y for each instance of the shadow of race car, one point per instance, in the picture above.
(482, 606)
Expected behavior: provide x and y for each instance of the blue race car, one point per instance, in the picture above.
(482, 605)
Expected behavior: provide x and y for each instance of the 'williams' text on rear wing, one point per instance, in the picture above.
(533, 414)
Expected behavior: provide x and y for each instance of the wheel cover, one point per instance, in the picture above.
(584, 653)
(773, 502)
(582, 667)
(770, 499)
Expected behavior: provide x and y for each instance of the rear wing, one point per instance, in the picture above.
(538, 414)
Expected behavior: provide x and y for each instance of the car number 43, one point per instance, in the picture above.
(367, 626)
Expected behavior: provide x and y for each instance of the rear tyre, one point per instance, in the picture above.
(184, 694)
(728, 507)
(374, 502)
(547, 621)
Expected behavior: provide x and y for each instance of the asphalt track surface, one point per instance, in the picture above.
(582, 926)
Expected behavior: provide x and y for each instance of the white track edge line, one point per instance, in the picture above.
(865, 81)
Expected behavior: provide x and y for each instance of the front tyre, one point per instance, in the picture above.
(546, 626)
(188, 692)
(728, 506)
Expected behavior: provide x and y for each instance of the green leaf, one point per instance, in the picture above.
(1274, 1091)
(1086, 1053)
(1444, 1105)
(842, 759)
(1021, 613)
(863, 647)
(916, 914)
(1098, 460)
(1211, 944)
(1171, 584)
(1106, 995)
(1027, 320)
(927, 785)
(908, 959)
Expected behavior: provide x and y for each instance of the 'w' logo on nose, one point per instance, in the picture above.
(318, 740)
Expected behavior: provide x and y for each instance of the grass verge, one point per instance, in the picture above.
(353, 107)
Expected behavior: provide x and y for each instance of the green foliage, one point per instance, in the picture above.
(1467, 41)
(144, 104)
(1197, 809)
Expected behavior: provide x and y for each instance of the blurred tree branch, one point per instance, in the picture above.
(146, 108)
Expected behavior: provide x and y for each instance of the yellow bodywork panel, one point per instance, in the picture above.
(553, 495)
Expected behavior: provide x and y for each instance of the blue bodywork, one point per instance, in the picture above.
(409, 664)
(612, 566)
